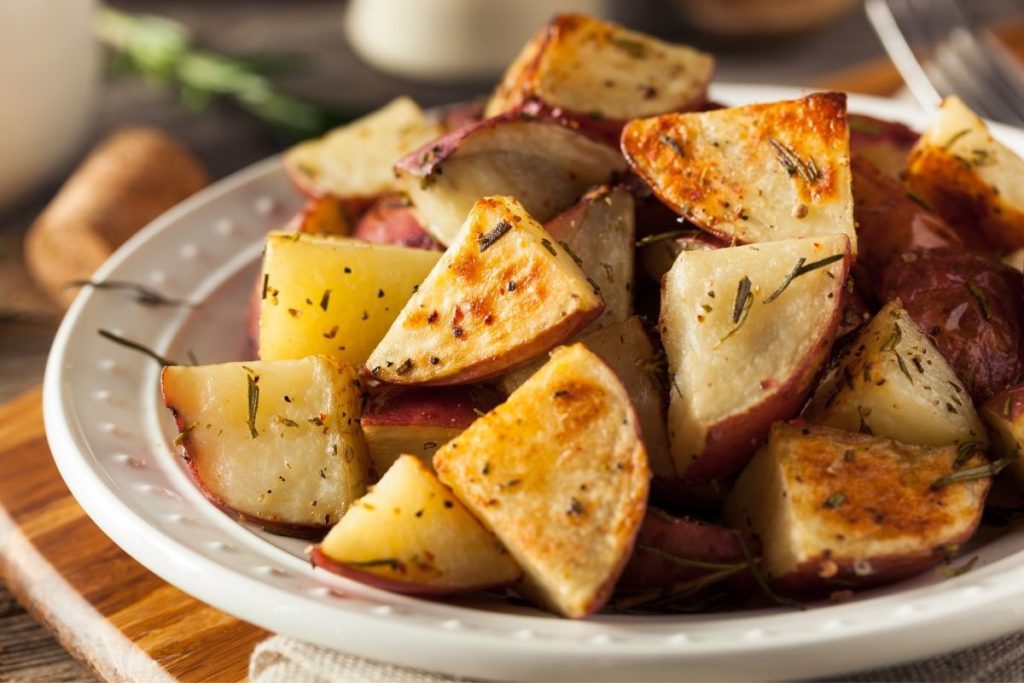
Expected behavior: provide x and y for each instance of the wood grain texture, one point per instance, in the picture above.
(117, 618)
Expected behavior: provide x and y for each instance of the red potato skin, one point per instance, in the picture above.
(391, 221)
(890, 223)
(972, 305)
(454, 407)
(319, 559)
(731, 442)
(887, 144)
(462, 114)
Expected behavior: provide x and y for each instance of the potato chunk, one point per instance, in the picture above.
(891, 381)
(757, 173)
(410, 534)
(503, 293)
(354, 161)
(1004, 414)
(275, 441)
(332, 295)
(560, 474)
(745, 330)
(833, 507)
(975, 182)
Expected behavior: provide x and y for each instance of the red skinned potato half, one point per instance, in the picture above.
(410, 534)
(835, 509)
(390, 220)
(596, 75)
(886, 144)
(504, 293)
(971, 305)
(544, 165)
(560, 474)
(975, 182)
(277, 442)
(746, 330)
(1004, 414)
(892, 221)
(757, 173)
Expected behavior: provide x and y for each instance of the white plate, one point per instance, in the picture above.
(111, 438)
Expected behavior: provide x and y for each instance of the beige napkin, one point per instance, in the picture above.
(281, 659)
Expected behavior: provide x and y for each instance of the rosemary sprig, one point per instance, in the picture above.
(793, 164)
(980, 472)
(802, 269)
(143, 295)
(253, 399)
(487, 240)
(687, 562)
(136, 346)
(163, 51)
(740, 308)
(676, 146)
(982, 300)
(760, 579)
(662, 236)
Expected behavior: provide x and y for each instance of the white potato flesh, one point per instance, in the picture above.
(559, 473)
(600, 69)
(355, 160)
(276, 441)
(811, 495)
(411, 529)
(601, 231)
(544, 165)
(973, 180)
(745, 335)
(892, 381)
(333, 295)
(505, 292)
(757, 173)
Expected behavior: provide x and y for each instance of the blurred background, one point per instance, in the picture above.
(237, 80)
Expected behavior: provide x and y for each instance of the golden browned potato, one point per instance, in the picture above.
(891, 381)
(277, 442)
(834, 509)
(504, 292)
(597, 75)
(757, 173)
(410, 534)
(745, 330)
(975, 182)
(353, 162)
(560, 474)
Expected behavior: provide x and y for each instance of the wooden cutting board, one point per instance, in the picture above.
(114, 616)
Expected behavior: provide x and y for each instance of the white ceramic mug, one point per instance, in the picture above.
(49, 72)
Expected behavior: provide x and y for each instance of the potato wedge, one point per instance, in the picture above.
(971, 305)
(892, 382)
(834, 508)
(544, 165)
(628, 351)
(1004, 414)
(341, 307)
(745, 330)
(597, 75)
(410, 534)
(559, 473)
(417, 420)
(600, 230)
(757, 173)
(277, 442)
(975, 182)
(504, 293)
(353, 162)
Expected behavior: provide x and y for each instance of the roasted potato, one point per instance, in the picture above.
(560, 474)
(390, 220)
(277, 442)
(595, 75)
(353, 162)
(504, 292)
(745, 330)
(971, 306)
(410, 534)
(544, 165)
(343, 306)
(892, 382)
(975, 182)
(886, 144)
(757, 173)
(1004, 414)
(836, 509)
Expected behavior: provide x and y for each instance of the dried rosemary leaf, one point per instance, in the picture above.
(487, 240)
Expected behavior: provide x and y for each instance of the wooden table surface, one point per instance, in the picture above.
(227, 140)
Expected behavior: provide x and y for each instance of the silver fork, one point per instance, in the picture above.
(963, 62)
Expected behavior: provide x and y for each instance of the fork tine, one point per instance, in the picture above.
(884, 16)
(974, 73)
